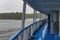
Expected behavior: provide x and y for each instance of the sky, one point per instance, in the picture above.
(13, 6)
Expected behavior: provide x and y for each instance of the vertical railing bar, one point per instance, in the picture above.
(17, 38)
(29, 32)
(20, 36)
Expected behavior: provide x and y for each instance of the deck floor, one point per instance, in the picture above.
(44, 34)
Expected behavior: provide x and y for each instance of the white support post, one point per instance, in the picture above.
(34, 18)
(23, 17)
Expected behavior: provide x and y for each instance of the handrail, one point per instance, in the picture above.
(29, 30)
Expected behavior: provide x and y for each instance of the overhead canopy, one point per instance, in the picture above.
(44, 5)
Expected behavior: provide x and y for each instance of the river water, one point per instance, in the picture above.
(10, 27)
(12, 24)
(9, 24)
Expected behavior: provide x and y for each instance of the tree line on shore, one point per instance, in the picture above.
(16, 16)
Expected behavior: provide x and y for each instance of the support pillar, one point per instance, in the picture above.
(54, 22)
(34, 18)
(23, 17)
(59, 22)
(23, 14)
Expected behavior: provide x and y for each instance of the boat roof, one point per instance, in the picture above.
(44, 5)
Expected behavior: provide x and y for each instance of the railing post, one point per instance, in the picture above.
(23, 16)
(34, 18)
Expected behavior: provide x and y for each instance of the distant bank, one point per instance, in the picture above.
(15, 16)
(18, 16)
(10, 15)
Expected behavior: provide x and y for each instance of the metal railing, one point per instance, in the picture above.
(27, 32)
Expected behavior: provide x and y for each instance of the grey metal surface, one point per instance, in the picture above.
(59, 22)
(44, 5)
(54, 22)
(23, 18)
(34, 18)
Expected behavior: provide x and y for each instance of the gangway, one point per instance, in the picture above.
(45, 29)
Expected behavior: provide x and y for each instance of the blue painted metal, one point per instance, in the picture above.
(21, 30)
(44, 5)
(39, 34)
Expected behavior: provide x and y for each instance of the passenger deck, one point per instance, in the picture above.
(41, 30)
(43, 33)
